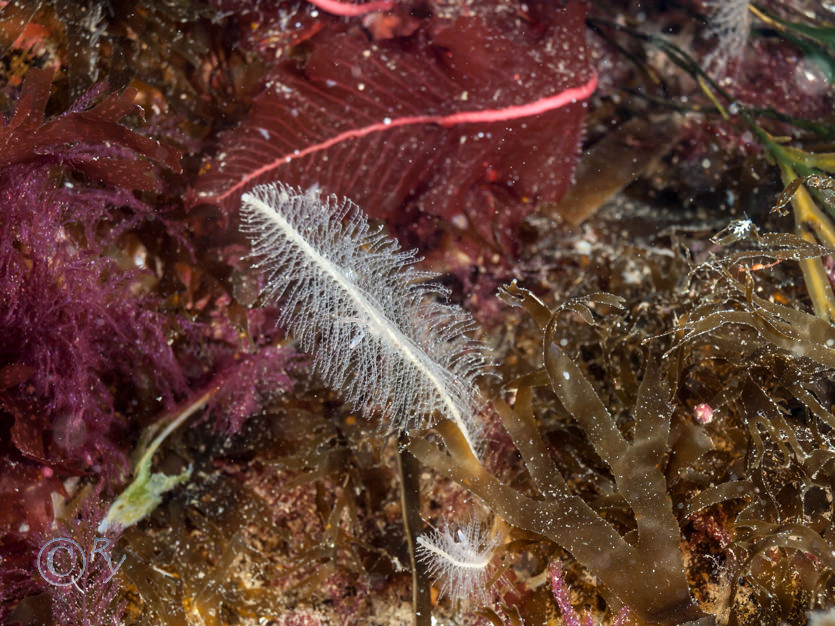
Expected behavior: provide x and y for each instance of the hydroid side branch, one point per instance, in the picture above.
(461, 559)
(355, 300)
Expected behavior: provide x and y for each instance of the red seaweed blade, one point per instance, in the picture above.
(27, 136)
(447, 119)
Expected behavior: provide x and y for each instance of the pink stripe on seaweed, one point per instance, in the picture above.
(543, 105)
(335, 7)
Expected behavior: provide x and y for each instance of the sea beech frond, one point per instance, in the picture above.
(538, 107)
(355, 300)
(448, 121)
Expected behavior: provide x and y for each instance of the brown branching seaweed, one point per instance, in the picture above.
(783, 539)
(565, 518)
(755, 489)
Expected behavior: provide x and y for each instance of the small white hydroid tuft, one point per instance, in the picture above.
(354, 299)
(729, 22)
(460, 559)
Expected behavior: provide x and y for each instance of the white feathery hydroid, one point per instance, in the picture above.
(460, 559)
(354, 299)
(730, 22)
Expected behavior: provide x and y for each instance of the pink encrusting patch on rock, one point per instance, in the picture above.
(703, 413)
(779, 76)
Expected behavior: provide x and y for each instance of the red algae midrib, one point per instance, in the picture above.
(345, 9)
